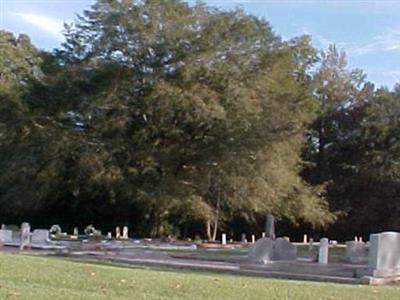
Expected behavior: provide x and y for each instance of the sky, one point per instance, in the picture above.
(368, 31)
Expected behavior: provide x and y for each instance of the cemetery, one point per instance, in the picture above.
(376, 262)
(211, 149)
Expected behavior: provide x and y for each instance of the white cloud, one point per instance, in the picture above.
(388, 41)
(394, 74)
(50, 25)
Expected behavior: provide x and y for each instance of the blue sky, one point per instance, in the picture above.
(369, 31)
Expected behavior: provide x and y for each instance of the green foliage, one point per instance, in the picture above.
(169, 113)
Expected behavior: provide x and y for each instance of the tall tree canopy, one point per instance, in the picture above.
(170, 114)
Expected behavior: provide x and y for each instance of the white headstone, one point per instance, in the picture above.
(117, 232)
(76, 231)
(305, 239)
(263, 234)
(323, 251)
(384, 254)
(223, 239)
(125, 234)
(253, 239)
(109, 235)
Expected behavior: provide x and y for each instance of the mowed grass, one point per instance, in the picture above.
(27, 277)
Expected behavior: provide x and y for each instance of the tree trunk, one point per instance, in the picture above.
(216, 219)
(208, 230)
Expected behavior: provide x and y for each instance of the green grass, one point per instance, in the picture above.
(26, 277)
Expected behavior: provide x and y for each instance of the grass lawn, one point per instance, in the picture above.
(26, 277)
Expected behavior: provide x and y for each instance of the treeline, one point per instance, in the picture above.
(175, 118)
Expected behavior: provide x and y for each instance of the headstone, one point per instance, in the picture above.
(197, 238)
(253, 239)
(243, 239)
(323, 251)
(384, 254)
(266, 249)
(109, 235)
(125, 233)
(90, 230)
(356, 252)
(311, 244)
(262, 251)
(270, 227)
(76, 231)
(11, 227)
(55, 229)
(5, 236)
(40, 237)
(263, 234)
(25, 235)
(223, 239)
(305, 239)
(284, 250)
(3, 226)
(117, 232)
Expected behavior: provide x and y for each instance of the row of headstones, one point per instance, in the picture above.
(24, 235)
(242, 240)
(383, 255)
(25, 238)
(90, 230)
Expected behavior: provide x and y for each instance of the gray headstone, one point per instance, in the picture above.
(266, 249)
(243, 238)
(284, 250)
(262, 251)
(76, 231)
(5, 236)
(323, 251)
(384, 254)
(356, 252)
(270, 227)
(40, 236)
(11, 227)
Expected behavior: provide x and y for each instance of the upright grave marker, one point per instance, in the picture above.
(25, 235)
(117, 232)
(323, 251)
(270, 227)
(384, 254)
(223, 241)
(125, 234)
